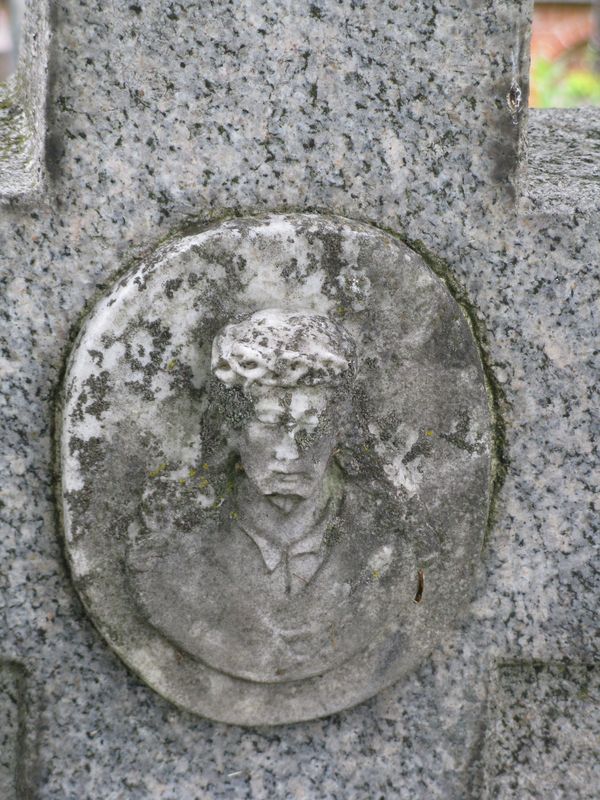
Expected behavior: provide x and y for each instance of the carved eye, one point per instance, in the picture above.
(248, 364)
(295, 365)
(270, 421)
(269, 417)
(309, 424)
(223, 364)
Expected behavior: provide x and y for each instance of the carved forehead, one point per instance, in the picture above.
(295, 400)
(279, 348)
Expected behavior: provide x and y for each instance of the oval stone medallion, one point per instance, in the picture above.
(275, 462)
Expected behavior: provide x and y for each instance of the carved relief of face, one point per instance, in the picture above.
(293, 367)
(286, 447)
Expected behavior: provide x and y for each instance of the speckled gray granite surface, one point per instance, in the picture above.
(394, 114)
(564, 158)
(543, 736)
(10, 703)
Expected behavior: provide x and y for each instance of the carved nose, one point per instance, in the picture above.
(287, 449)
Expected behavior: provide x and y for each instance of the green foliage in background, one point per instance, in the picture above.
(556, 84)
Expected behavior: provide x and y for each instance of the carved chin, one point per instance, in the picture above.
(285, 502)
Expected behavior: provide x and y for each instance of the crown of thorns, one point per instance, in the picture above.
(278, 348)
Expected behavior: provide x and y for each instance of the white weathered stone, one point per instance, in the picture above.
(272, 568)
